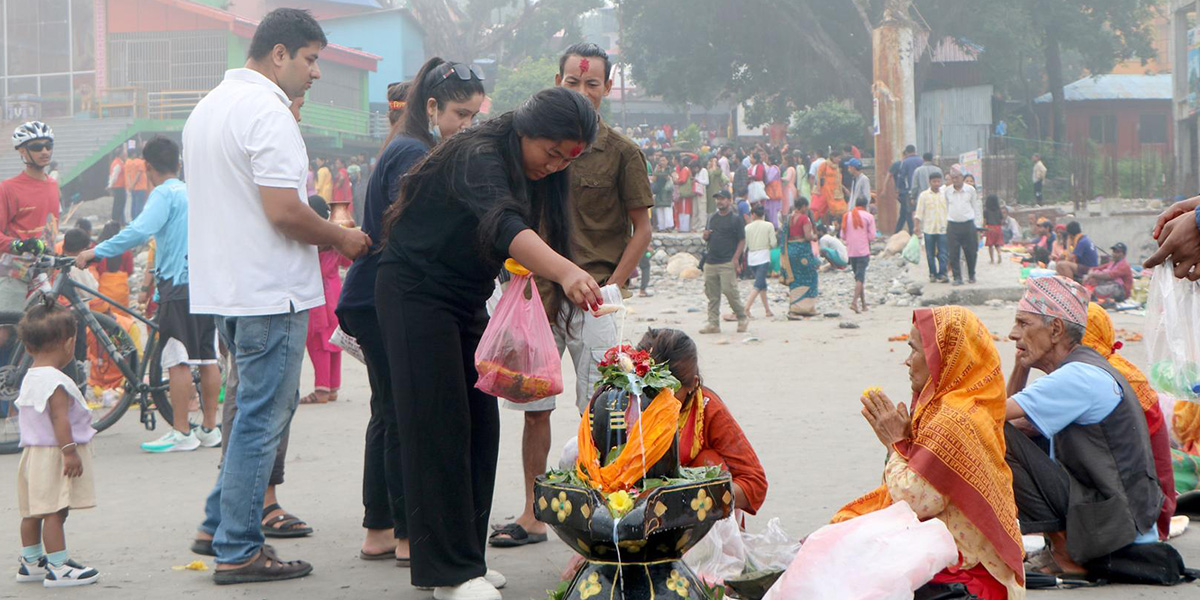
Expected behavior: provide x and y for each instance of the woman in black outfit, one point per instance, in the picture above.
(446, 97)
(491, 192)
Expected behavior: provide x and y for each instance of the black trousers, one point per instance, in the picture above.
(1037, 192)
(905, 220)
(1040, 485)
(449, 431)
(118, 205)
(963, 238)
(383, 481)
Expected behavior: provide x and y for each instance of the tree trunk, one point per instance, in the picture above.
(1054, 77)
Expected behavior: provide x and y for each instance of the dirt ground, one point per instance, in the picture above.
(793, 386)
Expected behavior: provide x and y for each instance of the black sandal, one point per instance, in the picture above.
(284, 525)
(517, 536)
(266, 567)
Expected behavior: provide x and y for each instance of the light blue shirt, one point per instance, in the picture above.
(1075, 393)
(165, 218)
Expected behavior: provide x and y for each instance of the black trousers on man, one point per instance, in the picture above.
(118, 205)
(1040, 485)
(905, 220)
(383, 480)
(962, 238)
(449, 431)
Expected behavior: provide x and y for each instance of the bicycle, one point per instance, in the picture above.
(143, 380)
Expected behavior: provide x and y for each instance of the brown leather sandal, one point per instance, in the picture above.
(266, 567)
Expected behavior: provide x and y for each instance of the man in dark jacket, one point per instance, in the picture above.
(1086, 479)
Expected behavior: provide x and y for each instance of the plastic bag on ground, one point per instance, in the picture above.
(720, 555)
(912, 250)
(885, 555)
(1172, 344)
(517, 359)
(770, 550)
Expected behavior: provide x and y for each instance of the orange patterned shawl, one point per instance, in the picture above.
(958, 431)
(659, 424)
(1101, 337)
(1186, 423)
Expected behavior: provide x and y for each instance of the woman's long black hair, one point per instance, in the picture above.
(431, 82)
(555, 114)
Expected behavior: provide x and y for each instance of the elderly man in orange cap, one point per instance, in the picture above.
(1077, 441)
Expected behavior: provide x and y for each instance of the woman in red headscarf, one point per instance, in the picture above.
(947, 460)
(1101, 337)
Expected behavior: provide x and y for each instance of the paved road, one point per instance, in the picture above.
(795, 391)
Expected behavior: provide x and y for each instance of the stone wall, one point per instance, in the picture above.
(674, 243)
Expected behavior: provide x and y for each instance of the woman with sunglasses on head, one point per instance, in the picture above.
(496, 191)
(438, 103)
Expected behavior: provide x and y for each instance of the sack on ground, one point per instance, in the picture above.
(1148, 564)
(884, 555)
(517, 359)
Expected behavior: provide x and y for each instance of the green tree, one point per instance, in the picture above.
(830, 124)
(514, 85)
(1036, 40)
(782, 54)
(509, 31)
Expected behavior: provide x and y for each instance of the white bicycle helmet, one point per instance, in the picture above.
(33, 130)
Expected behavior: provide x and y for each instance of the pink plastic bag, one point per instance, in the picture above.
(517, 359)
(885, 555)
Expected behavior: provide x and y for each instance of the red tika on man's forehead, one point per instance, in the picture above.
(577, 150)
(584, 65)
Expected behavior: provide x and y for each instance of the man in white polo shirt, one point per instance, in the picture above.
(253, 262)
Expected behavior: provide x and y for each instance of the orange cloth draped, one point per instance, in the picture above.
(1101, 337)
(709, 436)
(958, 431)
(115, 285)
(658, 425)
(104, 372)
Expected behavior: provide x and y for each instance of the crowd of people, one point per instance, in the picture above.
(1080, 455)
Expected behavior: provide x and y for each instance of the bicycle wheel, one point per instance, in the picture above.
(110, 403)
(11, 373)
(158, 380)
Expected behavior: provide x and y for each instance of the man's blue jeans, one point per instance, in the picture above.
(269, 352)
(937, 253)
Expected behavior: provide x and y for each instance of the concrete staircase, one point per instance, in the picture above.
(75, 141)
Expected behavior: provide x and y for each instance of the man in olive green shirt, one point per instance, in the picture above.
(610, 195)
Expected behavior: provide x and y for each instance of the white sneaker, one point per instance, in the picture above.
(475, 589)
(70, 574)
(28, 572)
(173, 441)
(495, 578)
(208, 439)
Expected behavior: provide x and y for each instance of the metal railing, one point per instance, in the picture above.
(172, 104)
(336, 118)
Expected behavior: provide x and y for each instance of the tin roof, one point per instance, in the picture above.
(1116, 87)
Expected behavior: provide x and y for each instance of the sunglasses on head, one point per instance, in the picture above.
(39, 146)
(464, 72)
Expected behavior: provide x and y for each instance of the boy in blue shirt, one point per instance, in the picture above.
(186, 339)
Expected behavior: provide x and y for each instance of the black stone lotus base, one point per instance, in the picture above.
(669, 580)
(639, 556)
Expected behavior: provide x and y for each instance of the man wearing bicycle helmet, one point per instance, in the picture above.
(29, 209)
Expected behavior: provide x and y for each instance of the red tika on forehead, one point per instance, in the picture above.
(575, 152)
(584, 65)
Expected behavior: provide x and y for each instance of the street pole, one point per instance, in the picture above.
(894, 98)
